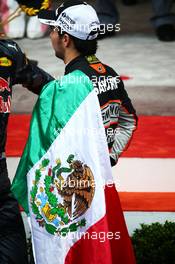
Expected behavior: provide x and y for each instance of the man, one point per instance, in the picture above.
(118, 114)
(64, 179)
(14, 68)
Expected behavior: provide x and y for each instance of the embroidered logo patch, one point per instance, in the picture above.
(5, 62)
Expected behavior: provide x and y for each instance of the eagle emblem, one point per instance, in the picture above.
(61, 195)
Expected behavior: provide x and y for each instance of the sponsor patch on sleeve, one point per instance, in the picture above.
(5, 62)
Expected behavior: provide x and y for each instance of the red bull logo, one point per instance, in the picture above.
(4, 85)
(5, 106)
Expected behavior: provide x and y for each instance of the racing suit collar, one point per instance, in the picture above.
(74, 64)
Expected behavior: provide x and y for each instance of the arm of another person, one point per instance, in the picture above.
(26, 72)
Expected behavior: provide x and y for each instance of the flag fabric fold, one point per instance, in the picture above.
(64, 179)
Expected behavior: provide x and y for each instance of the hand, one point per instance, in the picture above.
(32, 77)
(113, 162)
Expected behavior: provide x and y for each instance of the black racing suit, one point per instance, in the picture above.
(119, 116)
(14, 68)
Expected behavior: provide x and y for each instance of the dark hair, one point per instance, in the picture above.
(85, 47)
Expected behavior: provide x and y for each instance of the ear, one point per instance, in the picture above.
(66, 40)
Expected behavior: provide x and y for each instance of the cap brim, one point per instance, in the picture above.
(47, 17)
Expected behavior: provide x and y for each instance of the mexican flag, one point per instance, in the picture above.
(64, 179)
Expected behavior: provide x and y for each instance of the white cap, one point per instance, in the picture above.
(75, 18)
